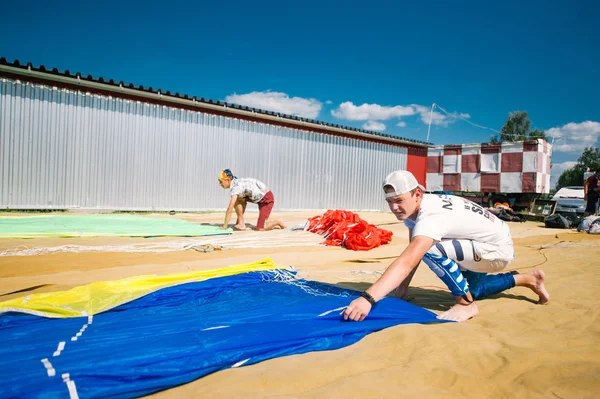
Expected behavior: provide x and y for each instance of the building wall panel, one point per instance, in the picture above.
(62, 148)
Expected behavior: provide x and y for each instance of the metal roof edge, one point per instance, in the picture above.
(222, 107)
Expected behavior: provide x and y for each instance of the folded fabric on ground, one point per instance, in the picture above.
(505, 213)
(94, 298)
(590, 224)
(101, 225)
(178, 334)
(347, 229)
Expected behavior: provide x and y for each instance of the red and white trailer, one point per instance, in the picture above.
(501, 170)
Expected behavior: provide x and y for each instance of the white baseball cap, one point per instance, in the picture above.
(402, 181)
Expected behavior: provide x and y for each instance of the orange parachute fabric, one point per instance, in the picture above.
(347, 229)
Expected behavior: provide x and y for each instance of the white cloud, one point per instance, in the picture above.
(278, 102)
(561, 167)
(372, 112)
(373, 125)
(574, 137)
(328, 102)
(438, 118)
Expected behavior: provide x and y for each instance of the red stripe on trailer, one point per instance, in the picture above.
(490, 182)
(529, 182)
(452, 149)
(434, 164)
(490, 148)
(530, 146)
(470, 163)
(452, 182)
(512, 162)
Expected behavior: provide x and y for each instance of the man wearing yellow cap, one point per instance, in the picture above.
(460, 241)
(246, 190)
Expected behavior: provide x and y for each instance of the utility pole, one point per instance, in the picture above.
(430, 119)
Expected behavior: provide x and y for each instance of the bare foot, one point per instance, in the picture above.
(535, 282)
(281, 223)
(538, 286)
(460, 312)
(276, 223)
(240, 227)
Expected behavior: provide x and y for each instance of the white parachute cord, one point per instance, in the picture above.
(291, 277)
(260, 240)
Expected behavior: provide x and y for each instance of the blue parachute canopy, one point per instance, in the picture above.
(179, 334)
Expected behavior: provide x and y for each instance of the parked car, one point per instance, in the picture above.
(570, 202)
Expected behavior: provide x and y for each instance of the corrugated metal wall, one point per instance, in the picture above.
(68, 149)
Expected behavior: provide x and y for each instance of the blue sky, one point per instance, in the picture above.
(377, 65)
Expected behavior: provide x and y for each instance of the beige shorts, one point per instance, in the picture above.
(476, 256)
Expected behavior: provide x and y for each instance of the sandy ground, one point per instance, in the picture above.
(512, 349)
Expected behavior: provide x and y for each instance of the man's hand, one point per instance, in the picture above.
(357, 310)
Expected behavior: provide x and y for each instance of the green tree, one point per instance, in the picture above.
(517, 128)
(537, 134)
(570, 177)
(590, 158)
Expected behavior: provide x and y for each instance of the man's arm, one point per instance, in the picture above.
(232, 202)
(402, 290)
(401, 268)
(395, 274)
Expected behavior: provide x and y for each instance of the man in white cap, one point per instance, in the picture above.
(459, 240)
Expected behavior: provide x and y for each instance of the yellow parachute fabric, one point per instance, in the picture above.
(94, 298)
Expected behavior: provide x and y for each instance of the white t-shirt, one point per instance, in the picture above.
(444, 217)
(251, 190)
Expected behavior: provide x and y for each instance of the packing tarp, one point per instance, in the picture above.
(178, 334)
(101, 225)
